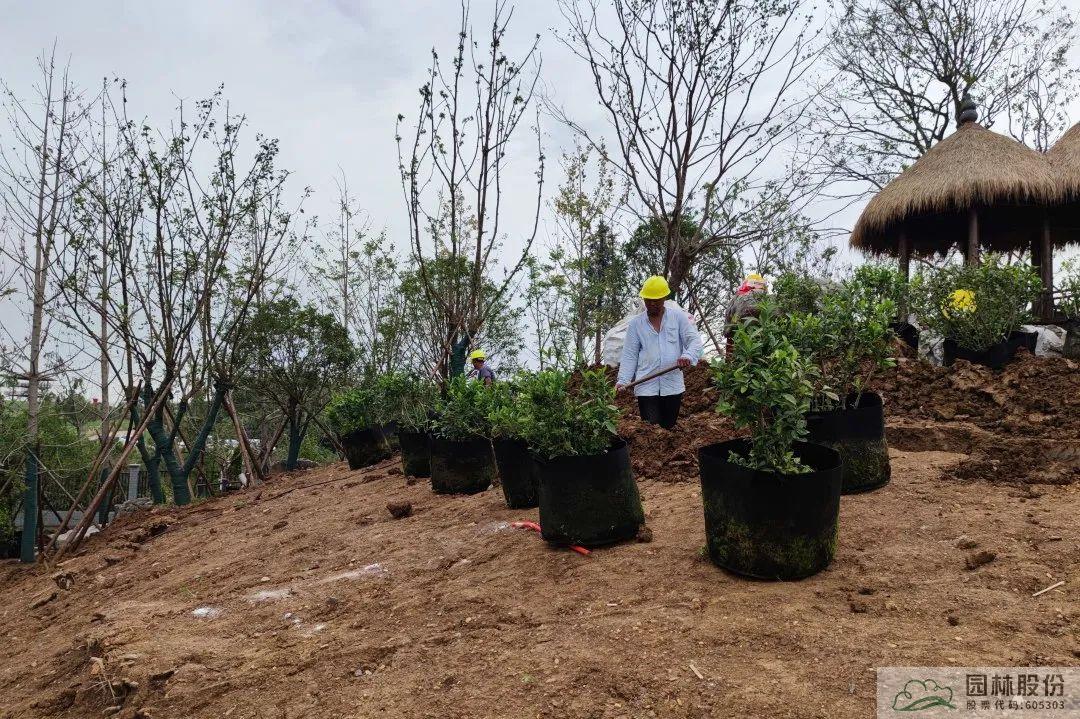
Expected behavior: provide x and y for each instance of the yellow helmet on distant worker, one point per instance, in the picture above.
(655, 288)
(477, 355)
(754, 277)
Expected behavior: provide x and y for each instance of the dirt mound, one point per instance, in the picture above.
(305, 598)
(1032, 396)
(671, 455)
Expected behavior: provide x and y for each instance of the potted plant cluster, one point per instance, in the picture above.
(507, 415)
(357, 417)
(772, 501)
(848, 339)
(978, 309)
(461, 458)
(410, 401)
(587, 492)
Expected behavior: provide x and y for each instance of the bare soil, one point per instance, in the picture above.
(306, 598)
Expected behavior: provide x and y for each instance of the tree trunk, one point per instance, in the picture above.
(30, 508)
(296, 438)
(178, 474)
(971, 257)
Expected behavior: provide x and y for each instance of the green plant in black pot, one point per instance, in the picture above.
(849, 341)
(771, 501)
(588, 495)
(507, 417)
(409, 402)
(354, 416)
(461, 458)
(978, 309)
(1069, 305)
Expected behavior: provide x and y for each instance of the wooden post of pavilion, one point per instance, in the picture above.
(971, 257)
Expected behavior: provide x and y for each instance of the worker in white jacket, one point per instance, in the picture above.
(656, 339)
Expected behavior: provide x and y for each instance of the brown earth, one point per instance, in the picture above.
(306, 598)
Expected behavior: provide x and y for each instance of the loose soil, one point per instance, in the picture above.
(306, 598)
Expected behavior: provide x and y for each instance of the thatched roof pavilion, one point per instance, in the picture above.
(975, 188)
(1064, 159)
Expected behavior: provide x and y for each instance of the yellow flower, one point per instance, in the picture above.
(961, 301)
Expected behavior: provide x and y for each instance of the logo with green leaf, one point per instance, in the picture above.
(917, 696)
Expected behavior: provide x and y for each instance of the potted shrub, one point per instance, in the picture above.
(353, 417)
(978, 310)
(587, 496)
(410, 401)
(461, 458)
(507, 416)
(879, 283)
(1069, 305)
(849, 341)
(772, 501)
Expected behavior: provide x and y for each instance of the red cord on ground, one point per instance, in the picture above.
(536, 528)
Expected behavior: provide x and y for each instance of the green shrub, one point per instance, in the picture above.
(461, 410)
(765, 386)
(847, 338)
(408, 400)
(793, 292)
(507, 411)
(976, 306)
(353, 410)
(566, 421)
(1070, 284)
(879, 282)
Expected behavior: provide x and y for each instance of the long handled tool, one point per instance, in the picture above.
(650, 376)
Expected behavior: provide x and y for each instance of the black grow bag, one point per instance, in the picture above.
(907, 332)
(996, 356)
(858, 434)
(461, 466)
(1071, 348)
(588, 501)
(516, 473)
(415, 453)
(366, 447)
(768, 525)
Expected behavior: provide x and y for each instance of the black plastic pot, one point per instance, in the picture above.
(858, 435)
(461, 466)
(768, 525)
(415, 453)
(907, 332)
(588, 501)
(1071, 349)
(516, 473)
(995, 356)
(366, 447)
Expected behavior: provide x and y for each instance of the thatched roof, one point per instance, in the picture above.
(1008, 182)
(1064, 159)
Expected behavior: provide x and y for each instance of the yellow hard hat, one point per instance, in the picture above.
(477, 355)
(754, 277)
(655, 288)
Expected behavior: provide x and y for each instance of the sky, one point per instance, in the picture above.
(326, 77)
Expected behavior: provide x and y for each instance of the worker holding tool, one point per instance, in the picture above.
(480, 370)
(659, 343)
(744, 304)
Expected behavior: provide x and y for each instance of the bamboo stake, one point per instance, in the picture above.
(241, 440)
(266, 451)
(88, 516)
(94, 469)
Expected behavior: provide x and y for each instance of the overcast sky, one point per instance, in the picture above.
(326, 77)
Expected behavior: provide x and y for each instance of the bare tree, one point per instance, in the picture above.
(699, 95)
(458, 148)
(36, 186)
(897, 70)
